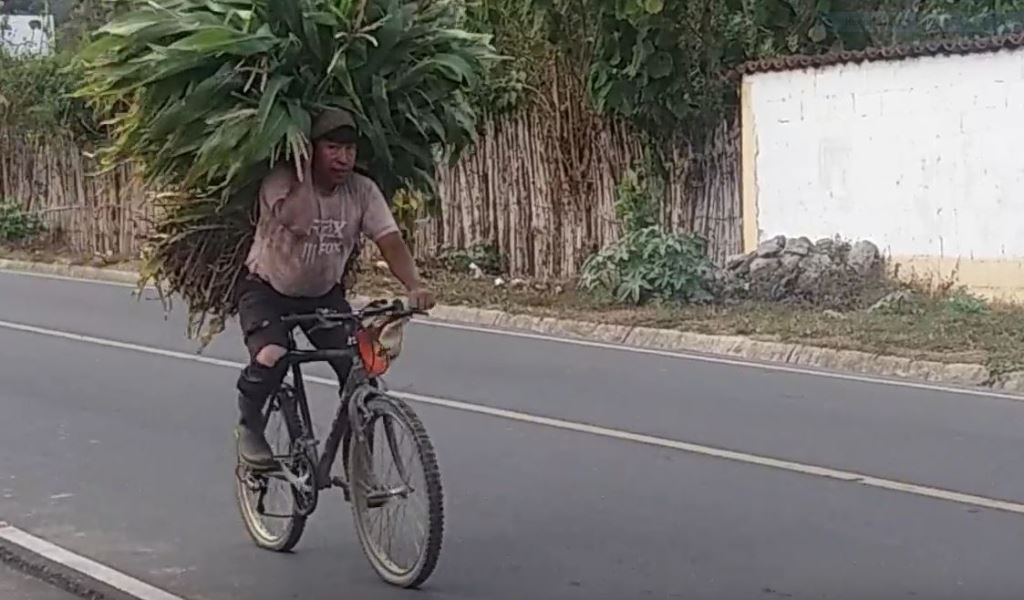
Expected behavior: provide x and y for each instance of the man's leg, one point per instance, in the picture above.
(260, 309)
(333, 339)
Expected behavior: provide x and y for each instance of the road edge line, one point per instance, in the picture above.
(71, 572)
(798, 358)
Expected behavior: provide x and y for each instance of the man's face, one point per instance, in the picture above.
(333, 161)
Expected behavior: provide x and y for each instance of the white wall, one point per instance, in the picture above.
(26, 34)
(924, 156)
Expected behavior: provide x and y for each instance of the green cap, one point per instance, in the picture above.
(330, 120)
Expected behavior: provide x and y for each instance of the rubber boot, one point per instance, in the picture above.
(253, 448)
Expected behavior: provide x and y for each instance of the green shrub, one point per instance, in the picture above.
(35, 99)
(17, 225)
(961, 301)
(648, 262)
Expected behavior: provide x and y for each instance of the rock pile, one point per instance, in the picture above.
(829, 271)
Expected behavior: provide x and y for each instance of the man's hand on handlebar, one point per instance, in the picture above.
(421, 298)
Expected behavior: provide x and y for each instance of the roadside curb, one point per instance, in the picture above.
(75, 271)
(958, 374)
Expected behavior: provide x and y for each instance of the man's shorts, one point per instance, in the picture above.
(260, 308)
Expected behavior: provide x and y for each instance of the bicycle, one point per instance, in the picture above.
(365, 404)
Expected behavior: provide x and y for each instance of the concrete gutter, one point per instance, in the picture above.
(958, 374)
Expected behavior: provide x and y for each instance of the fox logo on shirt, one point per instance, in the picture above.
(329, 239)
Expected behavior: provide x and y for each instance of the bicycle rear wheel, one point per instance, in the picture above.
(269, 505)
(396, 493)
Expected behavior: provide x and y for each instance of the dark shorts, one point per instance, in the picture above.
(260, 308)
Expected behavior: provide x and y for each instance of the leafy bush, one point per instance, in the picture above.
(963, 302)
(34, 98)
(516, 27)
(17, 225)
(648, 262)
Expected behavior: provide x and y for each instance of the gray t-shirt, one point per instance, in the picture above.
(304, 238)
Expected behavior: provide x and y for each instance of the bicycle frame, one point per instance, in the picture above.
(354, 392)
(351, 409)
(364, 404)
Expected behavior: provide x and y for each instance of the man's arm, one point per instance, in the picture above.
(403, 267)
(286, 199)
(396, 254)
(379, 225)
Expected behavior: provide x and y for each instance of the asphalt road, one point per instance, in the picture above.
(126, 457)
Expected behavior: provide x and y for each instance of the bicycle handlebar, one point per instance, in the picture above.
(327, 317)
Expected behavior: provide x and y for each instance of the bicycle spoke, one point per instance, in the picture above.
(387, 534)
(409, 460)
(421, 532)
(391, 532)
(389, 431)
(399, 532)
(378, 458)
(416, 540)
(389, 435)
(378, 518)
(402, 517)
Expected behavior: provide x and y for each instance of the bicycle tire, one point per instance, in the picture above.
(296, 524)
(382, 404)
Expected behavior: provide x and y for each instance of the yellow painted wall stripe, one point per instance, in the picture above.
(748, 170)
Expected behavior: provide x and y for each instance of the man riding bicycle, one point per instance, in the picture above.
(308, 226)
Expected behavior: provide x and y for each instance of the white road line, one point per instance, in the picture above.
(675, 354)
(66, 558)
(618, 434)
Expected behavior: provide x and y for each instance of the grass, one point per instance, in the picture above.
(51, 253)
(941, 324)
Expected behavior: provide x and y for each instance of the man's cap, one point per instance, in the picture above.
(333, 122)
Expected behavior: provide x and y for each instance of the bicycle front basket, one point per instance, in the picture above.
(380, 343)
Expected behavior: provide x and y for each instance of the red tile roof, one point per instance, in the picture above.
(932, 48)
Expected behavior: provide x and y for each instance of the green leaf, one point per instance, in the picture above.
(654, 7)
(818, 33)
(660, 65)
(269, 97)
(223, 39)
(132, 23)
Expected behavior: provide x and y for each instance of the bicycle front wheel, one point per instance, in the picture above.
(396, 493)
(269, 504)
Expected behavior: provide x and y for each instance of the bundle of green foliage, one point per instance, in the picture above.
(207, 94)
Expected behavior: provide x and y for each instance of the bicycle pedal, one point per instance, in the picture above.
(379, 497)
